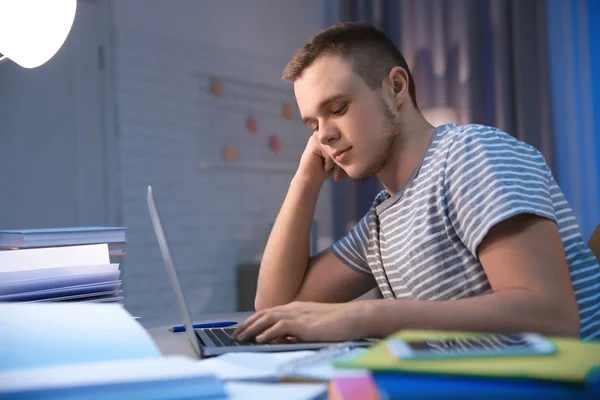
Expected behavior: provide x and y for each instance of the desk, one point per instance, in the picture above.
(177, 343)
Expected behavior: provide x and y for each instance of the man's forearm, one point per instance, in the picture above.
(506, 311)
(286, 255)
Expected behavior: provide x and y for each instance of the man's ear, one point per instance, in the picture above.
(398, 80)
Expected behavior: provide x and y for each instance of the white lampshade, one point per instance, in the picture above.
(32, 31)
(437, 116)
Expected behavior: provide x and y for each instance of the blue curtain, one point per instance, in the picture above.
(574, 48)
(485, 59)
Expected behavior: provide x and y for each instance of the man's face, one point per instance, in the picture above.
(352, 122)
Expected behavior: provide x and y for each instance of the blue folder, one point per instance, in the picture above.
(427, 386)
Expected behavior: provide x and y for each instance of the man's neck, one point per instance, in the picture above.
(408, 148)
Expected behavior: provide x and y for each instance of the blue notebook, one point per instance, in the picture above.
(76, 351)
(45, 237)
(424, 386)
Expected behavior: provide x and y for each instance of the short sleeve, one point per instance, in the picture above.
(489, 177)
(352, 248)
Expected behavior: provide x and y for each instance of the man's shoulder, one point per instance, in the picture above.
(472, 140)
(470, 133)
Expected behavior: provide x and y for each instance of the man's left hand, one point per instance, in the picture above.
(306, 321)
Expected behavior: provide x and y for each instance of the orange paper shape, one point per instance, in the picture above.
(216, 87)
(230, 153)
(287, 111)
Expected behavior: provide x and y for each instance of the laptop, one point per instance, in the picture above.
(209, 342)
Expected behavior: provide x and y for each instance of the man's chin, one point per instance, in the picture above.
(359, 175)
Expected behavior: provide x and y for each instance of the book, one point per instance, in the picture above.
(573, 363)
(73, 350)
(51, 257)
(50, 237)
(114, 249)
(69, 273)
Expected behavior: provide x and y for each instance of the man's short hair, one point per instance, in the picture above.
(370, 52)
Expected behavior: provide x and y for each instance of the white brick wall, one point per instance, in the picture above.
(168, 123)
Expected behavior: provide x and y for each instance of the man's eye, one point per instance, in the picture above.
(340, 110)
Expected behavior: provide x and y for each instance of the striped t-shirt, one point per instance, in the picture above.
(421, 243)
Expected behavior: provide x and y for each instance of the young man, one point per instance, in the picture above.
(471, 233)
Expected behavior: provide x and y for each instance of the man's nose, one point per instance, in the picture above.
(328, 134)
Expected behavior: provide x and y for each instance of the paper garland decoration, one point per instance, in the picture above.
(216, 87)
(287, 111)
(251, 125)
(274, 143)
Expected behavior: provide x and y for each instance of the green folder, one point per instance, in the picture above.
(572, 362)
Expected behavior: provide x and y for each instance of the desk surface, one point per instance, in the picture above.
(177, 343)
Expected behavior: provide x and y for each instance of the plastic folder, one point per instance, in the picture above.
(574, 361)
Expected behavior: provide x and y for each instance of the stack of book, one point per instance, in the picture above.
(61, 264)
(53, 237)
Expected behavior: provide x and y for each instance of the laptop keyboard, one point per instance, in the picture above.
(222, 337)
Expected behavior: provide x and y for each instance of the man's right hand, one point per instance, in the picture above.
(316, 165)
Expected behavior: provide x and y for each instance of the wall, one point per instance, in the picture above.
(171, 130)
(54, 158)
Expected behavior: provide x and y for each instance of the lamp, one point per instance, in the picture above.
(32, 31)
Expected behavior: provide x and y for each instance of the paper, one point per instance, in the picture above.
(287, 391)
(45, 294)
(80, 297)
(267, 366)
(31, 285)
(59, 272)
(106, 299)
(226, 368)
(179, 374)
(60, 333)
(50, 257)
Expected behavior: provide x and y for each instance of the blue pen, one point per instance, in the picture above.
(222, 324)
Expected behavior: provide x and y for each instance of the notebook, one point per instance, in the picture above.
(45, 237)
(573, 362)
(78, 350)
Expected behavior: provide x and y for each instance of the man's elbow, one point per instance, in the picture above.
(565, 321)
(569, 325)
(259, 304)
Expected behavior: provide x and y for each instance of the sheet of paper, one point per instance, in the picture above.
(227, 369)
(51, 257)
(287, 391)
(105, 299)
(263, 361)
(31, 285)
(60, 272)
(63, 291)
(68, 380)
(266, 367)
(79, 297)
(40, 334)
